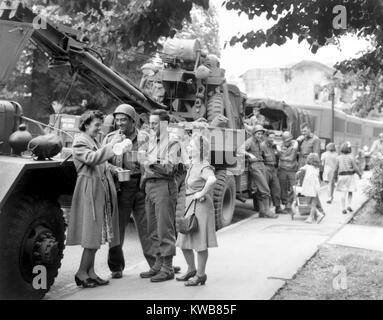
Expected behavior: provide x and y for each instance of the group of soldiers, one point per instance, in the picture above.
(273, 168)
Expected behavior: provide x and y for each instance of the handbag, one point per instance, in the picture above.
(190, 223)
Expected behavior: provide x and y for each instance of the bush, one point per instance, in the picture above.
(375, 189)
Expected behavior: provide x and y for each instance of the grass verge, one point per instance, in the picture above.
(337, 273)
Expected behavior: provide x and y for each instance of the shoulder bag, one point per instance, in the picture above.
(190, 223)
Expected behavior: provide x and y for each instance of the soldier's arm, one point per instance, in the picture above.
(317, 147)
(167, 166)
(247, 148)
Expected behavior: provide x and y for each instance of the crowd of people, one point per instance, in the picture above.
(169, 185)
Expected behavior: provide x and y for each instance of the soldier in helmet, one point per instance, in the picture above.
(269, 149)
(130, 197)
(260, 188)
(287, 169)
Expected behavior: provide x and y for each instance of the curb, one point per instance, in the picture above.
(347, 221)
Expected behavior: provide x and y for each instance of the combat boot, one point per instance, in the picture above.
(264, 209)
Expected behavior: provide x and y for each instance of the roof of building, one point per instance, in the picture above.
(300, 65)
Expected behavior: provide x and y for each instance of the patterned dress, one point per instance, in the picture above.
(205, 237)
(346, 182)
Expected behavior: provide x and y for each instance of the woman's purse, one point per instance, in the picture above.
(190, 223)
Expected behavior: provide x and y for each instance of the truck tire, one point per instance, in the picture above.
(32, 236)
(214, 106)
(224, 199)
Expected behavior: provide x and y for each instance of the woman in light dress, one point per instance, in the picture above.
(199, 182)
(345, 170)
(311, 186)
(328, 160)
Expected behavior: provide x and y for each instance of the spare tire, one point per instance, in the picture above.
(224, 195)
(215, 106)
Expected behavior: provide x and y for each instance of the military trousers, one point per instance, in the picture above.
(258, 180)
(273, 182)
(160, 204)
(131, 200)
(287, 180)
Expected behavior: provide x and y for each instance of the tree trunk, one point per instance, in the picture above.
(41, 89)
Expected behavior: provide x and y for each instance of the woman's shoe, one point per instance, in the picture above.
(344, 211)
(349, 209)
(87, 283)
(196, 281)
(100, 282)
(187, 276)
(329, 201)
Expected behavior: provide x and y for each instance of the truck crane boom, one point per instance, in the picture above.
(62, 44)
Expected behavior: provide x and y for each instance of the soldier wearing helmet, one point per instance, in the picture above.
(130, 198)
(269, 149)
(287, 169)
(259, 187)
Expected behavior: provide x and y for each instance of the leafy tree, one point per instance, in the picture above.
(313, 21)
(203, 26)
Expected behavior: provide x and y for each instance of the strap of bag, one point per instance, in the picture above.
(190, 204)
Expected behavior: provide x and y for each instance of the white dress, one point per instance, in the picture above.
(311, 184)
(329, 160)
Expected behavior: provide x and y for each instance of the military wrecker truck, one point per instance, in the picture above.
(32, 227)
(196, 88)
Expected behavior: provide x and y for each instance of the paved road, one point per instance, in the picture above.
(254, 259)
(64, 283)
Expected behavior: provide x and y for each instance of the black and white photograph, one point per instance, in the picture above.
(187, 156)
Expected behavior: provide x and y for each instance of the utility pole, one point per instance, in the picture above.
(332, 113)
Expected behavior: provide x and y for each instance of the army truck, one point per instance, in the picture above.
(196, 88)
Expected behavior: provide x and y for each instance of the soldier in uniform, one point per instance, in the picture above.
(309, 143)
(130, 197)
(260, 188)
(287, 169)
(160, 166)
(269, 149)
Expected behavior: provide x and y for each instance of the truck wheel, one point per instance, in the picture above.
(214, 106)
(32, 235)
(224, 199)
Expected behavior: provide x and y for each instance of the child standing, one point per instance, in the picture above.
(345, 170)
(311, 186)
(328, 160)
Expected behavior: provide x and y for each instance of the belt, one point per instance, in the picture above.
(159, 179)
(346, 173)
(253, 161)
(270, 164)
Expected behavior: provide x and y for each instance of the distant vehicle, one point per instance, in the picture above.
(360, 132)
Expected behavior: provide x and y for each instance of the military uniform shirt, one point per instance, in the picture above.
(269, 153)
(310, 145)
(254, 147)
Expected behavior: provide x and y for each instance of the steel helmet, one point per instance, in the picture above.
(257, 128)
(126, 109)
(287, 136)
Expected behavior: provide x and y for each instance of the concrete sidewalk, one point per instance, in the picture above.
(362, 237)
(254, 259)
